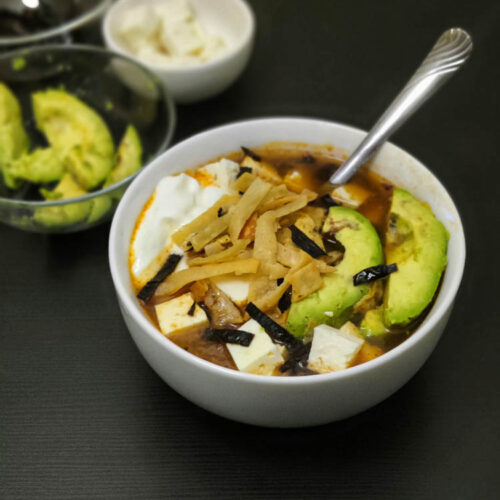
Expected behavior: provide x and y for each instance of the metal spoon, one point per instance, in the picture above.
(447, 56)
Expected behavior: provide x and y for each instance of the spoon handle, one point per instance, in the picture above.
(449, 53)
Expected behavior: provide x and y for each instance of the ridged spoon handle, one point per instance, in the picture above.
(446, 57)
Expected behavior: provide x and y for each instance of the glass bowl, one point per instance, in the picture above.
(118, 88)
(24, 22)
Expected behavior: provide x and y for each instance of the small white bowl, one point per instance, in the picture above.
(233, 20)
(284, 401)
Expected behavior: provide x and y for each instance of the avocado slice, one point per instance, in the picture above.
(373, 324)
(66, 214)
(14, 140)
(332, 304)
(417, 242)
(128, 157)
(128, 160)
(78, 132)
(42, 165)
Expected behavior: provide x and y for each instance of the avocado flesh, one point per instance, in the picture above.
(42, 165)
(373, 324)
(78, 132)
(14, 140)
(128, 157)
(417, 242)
(65, 214)
(127, 161)
(362, 249)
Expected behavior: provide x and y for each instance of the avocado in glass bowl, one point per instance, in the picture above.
(77, 124)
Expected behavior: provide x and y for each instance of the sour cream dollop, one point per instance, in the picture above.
(177, 200)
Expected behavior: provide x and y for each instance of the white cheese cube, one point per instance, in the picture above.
(350, 195)
(262, 356)
(175, 11)
(151, 54)
(181, 35)
(237, 289)
(138, 25)
(173, 315)
(332, 349)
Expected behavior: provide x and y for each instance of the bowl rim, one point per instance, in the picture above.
(220, 60)
(165, 95)
(70, 25)
(146, 327)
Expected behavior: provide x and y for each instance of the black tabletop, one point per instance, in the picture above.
(83, 415)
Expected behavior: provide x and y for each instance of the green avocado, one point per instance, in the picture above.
(128, 157)
(42, 165)
(332, 304)
(373, 324)
(65, 214)
(78, 133)
(127, 161)
(14, 140)
(417, 242)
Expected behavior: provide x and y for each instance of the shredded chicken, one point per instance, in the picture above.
(222, 309)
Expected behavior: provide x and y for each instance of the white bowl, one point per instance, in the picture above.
(284, 401)
(231, 19)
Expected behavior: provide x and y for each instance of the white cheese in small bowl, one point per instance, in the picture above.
(168, 32)
(198, 48)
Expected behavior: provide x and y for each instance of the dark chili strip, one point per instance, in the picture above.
(332, 244)
(220, 212)
(206, 309)
(279, 334)
(286, 300)
(229, 336)
(192, 309)
(297, 361)
(168, 268)
(305, 243)
(325, 201)
(250, 153)
(374, 273)
(244, 170)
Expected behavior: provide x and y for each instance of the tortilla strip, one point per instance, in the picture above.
(183, 233)
(300, 202)
(269, 300)
(277, 203)
(291, 256)
(222, 256)
(181, 278)
(310, 195)
(209, 232)
(275, 193)
(323, 267)
(266, 246)
(260, 286)
(243, 182)
(221, 243)
(246, 206)
(263, 169)
(305, 281)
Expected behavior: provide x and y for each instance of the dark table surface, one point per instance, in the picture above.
(82, 414)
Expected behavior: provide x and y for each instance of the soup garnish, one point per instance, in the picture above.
(274, 272)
